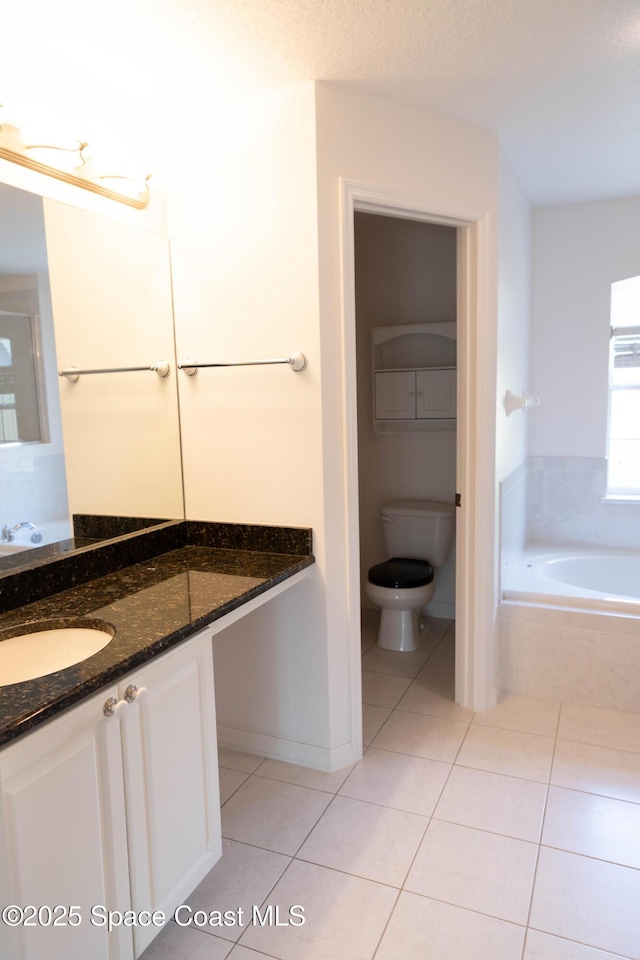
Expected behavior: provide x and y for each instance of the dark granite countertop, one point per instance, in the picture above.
(154, 605)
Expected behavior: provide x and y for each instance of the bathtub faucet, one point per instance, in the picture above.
(9, 533)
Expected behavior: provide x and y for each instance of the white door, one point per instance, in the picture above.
(63, 841)
(171, 778)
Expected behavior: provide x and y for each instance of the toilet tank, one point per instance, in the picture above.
(419, 529)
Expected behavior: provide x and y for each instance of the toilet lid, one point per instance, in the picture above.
(400, 573)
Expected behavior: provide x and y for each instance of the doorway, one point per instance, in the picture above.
(475, 575)
(405, 272)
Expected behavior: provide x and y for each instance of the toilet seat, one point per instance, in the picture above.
(400, 573)
(400, 587)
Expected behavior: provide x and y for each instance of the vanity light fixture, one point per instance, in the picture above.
(42, 159)
(59, 157)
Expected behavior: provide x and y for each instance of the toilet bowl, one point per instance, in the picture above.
(418, 534)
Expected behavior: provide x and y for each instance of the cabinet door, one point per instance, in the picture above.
(63, 836)
(171, 779)
(395, 395)
(436, 394)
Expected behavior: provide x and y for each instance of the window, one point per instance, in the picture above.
(623, 453)
(19, 400)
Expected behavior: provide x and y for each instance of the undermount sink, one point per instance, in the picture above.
(41, 647)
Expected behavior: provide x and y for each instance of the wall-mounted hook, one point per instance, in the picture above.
(512, 402)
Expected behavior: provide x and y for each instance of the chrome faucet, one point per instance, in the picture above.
(9, 533)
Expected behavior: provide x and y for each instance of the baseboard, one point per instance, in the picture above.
(327, 759)
(445, 611)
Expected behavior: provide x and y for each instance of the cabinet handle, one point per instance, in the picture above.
(112, 706)
(134, 693)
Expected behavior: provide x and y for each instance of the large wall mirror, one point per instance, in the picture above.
(82, 290)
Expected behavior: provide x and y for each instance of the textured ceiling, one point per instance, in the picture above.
(558, 79)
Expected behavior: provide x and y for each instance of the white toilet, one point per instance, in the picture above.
(418, 536)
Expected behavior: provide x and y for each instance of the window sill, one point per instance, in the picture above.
(621, 498)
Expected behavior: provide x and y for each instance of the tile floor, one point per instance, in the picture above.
(512, 834)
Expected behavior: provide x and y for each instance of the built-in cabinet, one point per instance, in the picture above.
(414, 377)
(112, 806)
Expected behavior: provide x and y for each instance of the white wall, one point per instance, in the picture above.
(514, 302)
(111, 295)
(244, 253)
(403, 150)
(33, 478)
(256, 250)
(405, 273)
(579, 250)
(514, 307)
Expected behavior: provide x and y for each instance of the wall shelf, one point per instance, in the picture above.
(414, 377)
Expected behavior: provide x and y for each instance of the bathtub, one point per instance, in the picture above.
(569, 626)
(51, 532)
(578, 578)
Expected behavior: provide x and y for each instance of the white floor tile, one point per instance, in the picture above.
(243, 877)
(587, 900)
(611, 773)
(524, 755)
(475, 870)
(602, 728)
(304, 776)
(439, 668)
(365, 840)
(270, 814)
(243, 953)
(395, 780)
(526, 714)
(447, 646)
(435, 699)
(422, 929)
(235, 760)
(398, 664)
(230, 780)
(382, 690)
(185, 943)
(438, 628)
(491, 801)
(543, 946)
(434, 738)
(372, 720)
(344, 916)
(594, 826)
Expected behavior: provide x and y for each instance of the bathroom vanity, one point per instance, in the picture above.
(108, 768)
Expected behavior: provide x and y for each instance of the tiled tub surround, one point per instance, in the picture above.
(153, 604)
(550, 643)
(513, 520)
(587, 657)
(560, 501)
(565, 505)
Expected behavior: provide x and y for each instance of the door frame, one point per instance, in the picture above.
(476, 539)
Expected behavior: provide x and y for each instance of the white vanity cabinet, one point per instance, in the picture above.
(115, 812)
